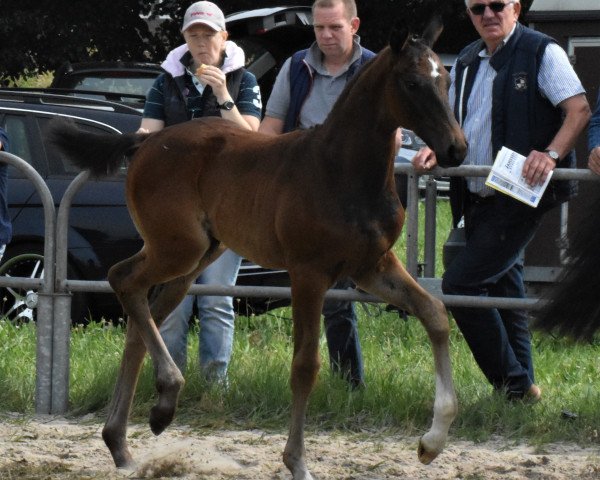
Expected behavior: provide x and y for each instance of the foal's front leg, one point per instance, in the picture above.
(391, 282)
(307, 303)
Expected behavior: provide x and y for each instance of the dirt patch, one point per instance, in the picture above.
(57, 448)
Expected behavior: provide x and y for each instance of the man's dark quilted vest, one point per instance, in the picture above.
(522, 119)
(301, 82)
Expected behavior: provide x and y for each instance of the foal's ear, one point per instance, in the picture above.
(426, 24)
(433, 30)
(398, 36)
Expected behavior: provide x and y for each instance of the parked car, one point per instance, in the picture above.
(100, 232)
(120, 77)
(269, 36)
(124, 82)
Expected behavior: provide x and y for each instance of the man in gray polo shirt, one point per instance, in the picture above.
(304, 93)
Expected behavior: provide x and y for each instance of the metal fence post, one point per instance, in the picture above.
(412, 225)
(430, 227)
(61, 336)
(63, 301)
(45, 311)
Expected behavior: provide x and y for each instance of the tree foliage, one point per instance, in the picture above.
(38, 36)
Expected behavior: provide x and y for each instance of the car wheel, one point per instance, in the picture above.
(19, 304)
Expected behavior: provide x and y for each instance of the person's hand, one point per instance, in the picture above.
(215, 77)
(142, 130)
(537, 167)
(594, 160)
(424, 160)
(398, 139)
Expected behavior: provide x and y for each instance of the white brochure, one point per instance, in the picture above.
(505, 176)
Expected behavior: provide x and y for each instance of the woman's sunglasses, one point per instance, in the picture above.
(495, 7)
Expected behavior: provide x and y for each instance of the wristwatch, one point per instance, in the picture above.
(227, 105)
(553, 155)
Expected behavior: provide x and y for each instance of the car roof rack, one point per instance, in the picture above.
(48, 96)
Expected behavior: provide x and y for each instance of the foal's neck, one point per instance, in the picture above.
(360, 123)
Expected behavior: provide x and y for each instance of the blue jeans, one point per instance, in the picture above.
(341, 331)
(492, 265)
(216, 316)
(594, 128)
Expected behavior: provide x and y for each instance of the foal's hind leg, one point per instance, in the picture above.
(115, 430)
(307, 302)
(133, 296)
(392, 283)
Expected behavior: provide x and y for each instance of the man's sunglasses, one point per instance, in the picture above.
(496, 7)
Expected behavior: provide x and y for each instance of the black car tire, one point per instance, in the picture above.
(19, 304)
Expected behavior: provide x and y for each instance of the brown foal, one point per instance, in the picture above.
(320, 203)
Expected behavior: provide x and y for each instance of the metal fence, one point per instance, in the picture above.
(55, 288)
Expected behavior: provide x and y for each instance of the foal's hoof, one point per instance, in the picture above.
(117, 445)
(426, 456)
(128, 467)
(296, 466)
(161, 414)
(160, 419)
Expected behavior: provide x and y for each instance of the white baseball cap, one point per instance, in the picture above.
(204, 12)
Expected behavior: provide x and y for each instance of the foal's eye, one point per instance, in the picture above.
(411, 85)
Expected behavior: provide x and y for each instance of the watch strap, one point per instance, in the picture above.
(552, 154)
(227, 105)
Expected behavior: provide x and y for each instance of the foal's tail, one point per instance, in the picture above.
(101, 153)
(574, 308)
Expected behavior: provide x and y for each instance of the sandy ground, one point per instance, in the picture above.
(57, 448)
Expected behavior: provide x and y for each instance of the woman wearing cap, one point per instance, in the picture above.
(204, 77)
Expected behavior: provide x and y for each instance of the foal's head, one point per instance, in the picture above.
(417, 92)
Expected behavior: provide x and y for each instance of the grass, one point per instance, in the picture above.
(399, 376)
